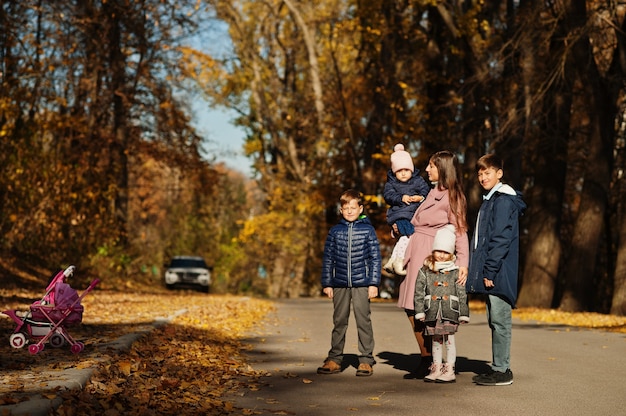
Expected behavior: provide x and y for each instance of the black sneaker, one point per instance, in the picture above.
(481, 376)
(496, 378)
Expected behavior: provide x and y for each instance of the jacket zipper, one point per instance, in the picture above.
(350, 254)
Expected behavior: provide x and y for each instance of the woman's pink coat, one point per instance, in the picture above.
(431, 215)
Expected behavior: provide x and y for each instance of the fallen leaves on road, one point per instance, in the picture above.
(182, 367)
(611, 323)
(590, 320)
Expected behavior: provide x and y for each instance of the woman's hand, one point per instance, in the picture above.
(462, 276)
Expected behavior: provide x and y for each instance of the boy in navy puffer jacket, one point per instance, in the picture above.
(351, 275)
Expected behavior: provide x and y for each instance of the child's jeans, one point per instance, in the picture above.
(500, 322)
(358, 297)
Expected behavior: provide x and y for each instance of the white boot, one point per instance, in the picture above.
(435, 371)
(389, 265)
(447, 374)
(398, 267)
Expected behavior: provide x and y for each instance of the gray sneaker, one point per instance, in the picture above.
(494, 378)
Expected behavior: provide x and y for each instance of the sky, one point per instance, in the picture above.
(224, 141)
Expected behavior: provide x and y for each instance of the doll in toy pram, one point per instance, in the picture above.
(48, 318)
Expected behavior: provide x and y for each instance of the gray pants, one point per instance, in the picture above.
(342, 298)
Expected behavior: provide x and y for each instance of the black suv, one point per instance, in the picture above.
(188, 270)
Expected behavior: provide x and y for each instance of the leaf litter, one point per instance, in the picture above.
(588, 320)
(182, 367)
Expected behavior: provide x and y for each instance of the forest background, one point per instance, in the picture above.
(100, 164)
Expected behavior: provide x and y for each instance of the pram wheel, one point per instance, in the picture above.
(17, 340)
(35, 348)
(78, 347)
(57, 340)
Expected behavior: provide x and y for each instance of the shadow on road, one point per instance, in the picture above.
(406, 362)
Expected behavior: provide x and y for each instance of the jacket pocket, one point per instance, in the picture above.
(454, 303)
(426, 303)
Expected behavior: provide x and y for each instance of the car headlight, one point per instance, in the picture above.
(204, 279)
(170, 277)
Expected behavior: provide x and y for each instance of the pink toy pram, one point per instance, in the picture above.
(48, 318)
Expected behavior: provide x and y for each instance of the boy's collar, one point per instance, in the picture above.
(491, 192)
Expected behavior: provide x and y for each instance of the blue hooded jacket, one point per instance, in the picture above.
(351, 255)
(494, 247)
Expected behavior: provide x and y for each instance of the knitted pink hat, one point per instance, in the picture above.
(401, 159)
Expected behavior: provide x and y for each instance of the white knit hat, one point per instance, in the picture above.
(445, 239)
(401, 159)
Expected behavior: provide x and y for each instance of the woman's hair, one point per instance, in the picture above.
(450, 178)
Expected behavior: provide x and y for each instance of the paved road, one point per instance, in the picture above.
(557, 370)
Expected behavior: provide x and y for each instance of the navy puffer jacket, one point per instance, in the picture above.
(394, 190)
(351, 255)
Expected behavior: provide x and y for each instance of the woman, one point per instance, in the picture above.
(445, 204)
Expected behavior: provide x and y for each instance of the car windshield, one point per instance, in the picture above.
(188, 263)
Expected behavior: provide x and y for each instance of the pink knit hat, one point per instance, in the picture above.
(401, 159)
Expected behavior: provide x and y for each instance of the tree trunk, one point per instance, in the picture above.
(314, 71)
(580, 269)
(616, 73)
(295, 282)
(277, 277)
(589, 111)
(618, 304)
(543, 247)
(542, 259)
(118, 148)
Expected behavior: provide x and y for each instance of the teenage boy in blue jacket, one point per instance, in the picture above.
(351, 274)
(493, 266)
